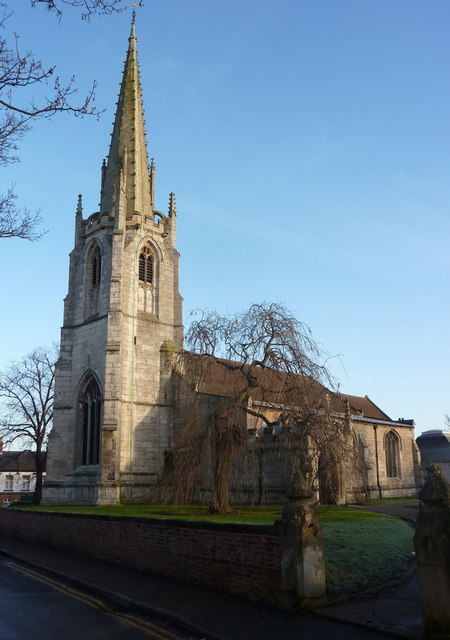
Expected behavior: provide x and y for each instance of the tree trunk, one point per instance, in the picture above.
(39, 471)
(220, 502)
(228, 441)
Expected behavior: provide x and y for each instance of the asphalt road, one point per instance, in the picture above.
(36, 606)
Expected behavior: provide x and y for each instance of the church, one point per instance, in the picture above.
(115, 395)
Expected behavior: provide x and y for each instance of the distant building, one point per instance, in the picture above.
(17, 475)
(434, 448)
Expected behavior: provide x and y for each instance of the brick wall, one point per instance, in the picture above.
(239, 559)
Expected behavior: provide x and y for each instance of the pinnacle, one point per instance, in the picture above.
(172, 205)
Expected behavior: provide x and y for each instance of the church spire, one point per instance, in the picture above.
(126, 174)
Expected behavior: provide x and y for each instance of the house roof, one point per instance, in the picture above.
(19, 461)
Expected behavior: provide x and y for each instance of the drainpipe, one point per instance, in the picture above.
(376, 458)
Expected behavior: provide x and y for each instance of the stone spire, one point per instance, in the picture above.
(126, 174)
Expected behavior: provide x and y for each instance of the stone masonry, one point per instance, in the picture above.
(118, 330)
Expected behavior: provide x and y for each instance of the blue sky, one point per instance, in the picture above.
(308, 145)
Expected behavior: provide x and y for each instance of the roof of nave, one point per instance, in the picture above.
(217, 376)
(364, 406)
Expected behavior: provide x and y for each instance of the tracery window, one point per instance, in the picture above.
(91, 424)
(92, 280)
(146, 265)
(392, 449)
(96, 266)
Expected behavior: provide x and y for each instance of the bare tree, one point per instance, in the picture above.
(267, 374)
(19, 71)
(26, 405)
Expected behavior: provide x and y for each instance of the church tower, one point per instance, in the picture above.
(122, 320)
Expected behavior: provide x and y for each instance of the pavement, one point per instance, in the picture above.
(218, 616)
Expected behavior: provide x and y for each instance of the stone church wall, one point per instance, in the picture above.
(372, 437)
(262, 470)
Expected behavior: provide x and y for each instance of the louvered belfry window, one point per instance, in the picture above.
(146, 265)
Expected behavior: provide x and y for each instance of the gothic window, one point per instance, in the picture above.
(392, 449)
(91, 424)
(146, 265)
(92, 280)
(96, 266)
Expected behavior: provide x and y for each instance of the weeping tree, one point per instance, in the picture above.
(26, 406)
(256, 371)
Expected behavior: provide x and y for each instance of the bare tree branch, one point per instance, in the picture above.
(90, 7)
(20, 71)
(18, 223)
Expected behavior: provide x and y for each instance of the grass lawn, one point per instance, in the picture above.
(363, 550)
(242, 515)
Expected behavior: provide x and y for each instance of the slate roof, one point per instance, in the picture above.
(18, 461)
(221, 377)
(364, 406)
(217, 376)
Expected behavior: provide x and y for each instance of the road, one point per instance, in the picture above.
(36, 606)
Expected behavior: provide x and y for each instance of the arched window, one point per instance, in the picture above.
(92, 280)
(91, 424)
(392, 449)
(96, 265)
(146, 265)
